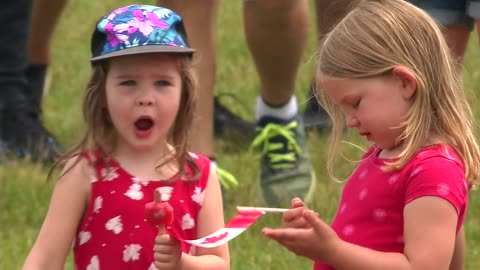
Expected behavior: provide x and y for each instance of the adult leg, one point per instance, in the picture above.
(328, 12)
(276, 32)
(16, 17)
(452, 15)
(457, 39)
(473, 10)
(200, 18)
(21, 135)
(45, 16)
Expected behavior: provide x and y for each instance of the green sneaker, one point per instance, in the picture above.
(285, 169)
(226, 179)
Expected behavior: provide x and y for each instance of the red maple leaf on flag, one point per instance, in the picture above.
(214, 239)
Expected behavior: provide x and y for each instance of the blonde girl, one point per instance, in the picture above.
(385, 71)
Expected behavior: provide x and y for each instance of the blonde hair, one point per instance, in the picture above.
(101, 134)
(377, 36)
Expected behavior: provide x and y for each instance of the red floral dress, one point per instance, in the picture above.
(114, 234)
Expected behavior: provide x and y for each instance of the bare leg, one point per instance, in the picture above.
(45, 16)
(276, 32)
(330, 12)
(457, 40)
(200, 18)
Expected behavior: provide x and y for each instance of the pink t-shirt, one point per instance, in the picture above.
(370, 213)
(114, 234)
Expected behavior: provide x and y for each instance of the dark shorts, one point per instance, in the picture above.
(451, 12)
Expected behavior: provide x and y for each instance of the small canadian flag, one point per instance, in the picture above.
(239, 223)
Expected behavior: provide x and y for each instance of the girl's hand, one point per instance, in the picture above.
(314, 239)
(168, 252)
(293, 218)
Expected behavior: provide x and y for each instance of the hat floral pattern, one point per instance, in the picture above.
(140, 25)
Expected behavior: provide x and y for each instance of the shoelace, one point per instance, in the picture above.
(227, 180)
(278, 160)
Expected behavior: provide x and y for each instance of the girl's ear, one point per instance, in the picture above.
(407, 79)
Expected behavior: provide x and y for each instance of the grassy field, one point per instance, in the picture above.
(24, 193)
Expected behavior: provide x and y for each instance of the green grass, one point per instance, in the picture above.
(24, 193)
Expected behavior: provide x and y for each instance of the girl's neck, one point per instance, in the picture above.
(397, 150)
(143, 164)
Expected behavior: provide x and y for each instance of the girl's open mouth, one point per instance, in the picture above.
(143, 126)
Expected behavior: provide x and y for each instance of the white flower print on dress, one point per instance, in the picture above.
(152, 267)
(134, 192)
(97, 205)
(83, 237)
(109, 174)
(131, 252)
(198, 195)
(94, 264)
(165, 193)
(187, 222)
(115, 225)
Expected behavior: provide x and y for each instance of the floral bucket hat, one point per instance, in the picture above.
(137, 29)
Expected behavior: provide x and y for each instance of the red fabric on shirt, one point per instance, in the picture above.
(114, 234)
(370, 213)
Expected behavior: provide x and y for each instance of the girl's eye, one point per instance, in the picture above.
(162, 83)
(128, 83)
(356, 104)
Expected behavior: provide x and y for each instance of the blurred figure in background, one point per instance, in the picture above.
(458, 18)
(22, 133)
(276, 32)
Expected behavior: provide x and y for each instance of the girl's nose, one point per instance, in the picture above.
(145, 99)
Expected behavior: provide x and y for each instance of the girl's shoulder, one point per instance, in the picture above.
(198, 156)
(200, 160)
(437, 153)
(203, 165)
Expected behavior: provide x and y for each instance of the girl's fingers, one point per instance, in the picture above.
(292, 214)
(280, 234)
(297, 202)
(163, 258)
(162, 239)
(315, 221)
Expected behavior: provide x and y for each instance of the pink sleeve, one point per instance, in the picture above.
(441, 177)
